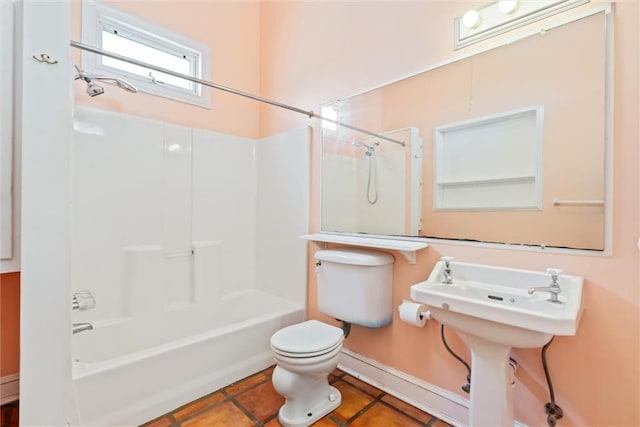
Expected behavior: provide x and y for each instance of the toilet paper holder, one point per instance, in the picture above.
(413, 313)
(425, 315)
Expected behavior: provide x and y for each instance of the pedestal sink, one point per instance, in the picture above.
(493, 308)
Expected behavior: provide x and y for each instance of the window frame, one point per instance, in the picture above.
(98, 18)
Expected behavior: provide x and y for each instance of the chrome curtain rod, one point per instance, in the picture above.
(308, 113)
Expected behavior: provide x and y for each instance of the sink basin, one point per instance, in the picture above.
(493, 309)
(495, 303)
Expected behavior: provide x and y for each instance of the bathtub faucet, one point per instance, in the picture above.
(79, 327)
(82, 300)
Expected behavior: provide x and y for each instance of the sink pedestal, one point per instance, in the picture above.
(490, 344)
(491, 392)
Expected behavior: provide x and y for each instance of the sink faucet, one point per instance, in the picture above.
(79, 327)
(553, 288)
(446, 272)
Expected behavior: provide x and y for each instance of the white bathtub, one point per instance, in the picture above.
(133, 370)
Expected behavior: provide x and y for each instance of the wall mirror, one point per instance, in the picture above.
(505, 146)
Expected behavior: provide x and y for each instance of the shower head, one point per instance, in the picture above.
(94, 89)
(370, 149)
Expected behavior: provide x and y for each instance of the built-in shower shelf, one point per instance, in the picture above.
(407, 248)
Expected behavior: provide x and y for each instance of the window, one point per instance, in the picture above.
(115, 31)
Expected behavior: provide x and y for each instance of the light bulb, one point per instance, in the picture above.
(471, 19)
(507, 6)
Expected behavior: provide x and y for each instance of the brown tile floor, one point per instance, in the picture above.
(9, 415)
(253, 402)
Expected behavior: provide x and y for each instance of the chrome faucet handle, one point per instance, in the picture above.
(555, 273)
(446, 271)
(82, 301)
(553, 289)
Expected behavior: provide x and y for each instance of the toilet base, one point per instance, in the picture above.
(333, 400)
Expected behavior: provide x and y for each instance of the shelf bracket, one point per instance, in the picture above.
(410, 256)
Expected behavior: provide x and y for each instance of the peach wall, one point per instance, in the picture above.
(9, 323)
(230, 28)
(316, 52)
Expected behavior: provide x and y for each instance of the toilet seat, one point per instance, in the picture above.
(305, 355)
(309, 365)
(307, 339)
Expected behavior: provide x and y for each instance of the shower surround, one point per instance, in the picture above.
(188, 241)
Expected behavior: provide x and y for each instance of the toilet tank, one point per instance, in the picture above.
(355, 285)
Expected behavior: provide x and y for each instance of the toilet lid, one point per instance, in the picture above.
(307, 338)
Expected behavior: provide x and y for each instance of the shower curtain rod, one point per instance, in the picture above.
(308, 113)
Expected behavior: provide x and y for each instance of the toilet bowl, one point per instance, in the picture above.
(306, 353)
(354, 285)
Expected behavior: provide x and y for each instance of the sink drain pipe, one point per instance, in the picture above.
(553, 411)
(467, 387)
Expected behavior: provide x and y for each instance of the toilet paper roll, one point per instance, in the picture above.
(413, 313)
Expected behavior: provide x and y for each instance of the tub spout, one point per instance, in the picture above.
(79, 327)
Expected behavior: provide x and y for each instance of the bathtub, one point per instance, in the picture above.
(130, 371)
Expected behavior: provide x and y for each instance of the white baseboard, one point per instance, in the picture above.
(9, 388)
(441, 403)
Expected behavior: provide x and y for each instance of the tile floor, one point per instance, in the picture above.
(9, 415)
(253, 402)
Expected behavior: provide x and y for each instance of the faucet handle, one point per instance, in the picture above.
(83, 300)
(446, 271)
(554, 272)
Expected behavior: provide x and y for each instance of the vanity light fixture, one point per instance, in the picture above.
(507, 6)
(504, 15)
(471, 19)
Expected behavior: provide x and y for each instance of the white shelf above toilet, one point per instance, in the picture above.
(407, 248)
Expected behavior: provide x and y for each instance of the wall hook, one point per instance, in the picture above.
(44, 58)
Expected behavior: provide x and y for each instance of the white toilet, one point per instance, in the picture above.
(354, 286)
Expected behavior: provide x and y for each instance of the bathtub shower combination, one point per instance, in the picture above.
(183, 238)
